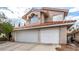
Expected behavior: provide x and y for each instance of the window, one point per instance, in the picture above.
(34, 19)
(57, 17)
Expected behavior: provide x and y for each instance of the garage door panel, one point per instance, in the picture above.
(27, 36)
(49, 36)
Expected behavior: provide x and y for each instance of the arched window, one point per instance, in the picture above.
(34, 19)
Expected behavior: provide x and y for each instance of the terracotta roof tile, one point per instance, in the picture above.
(51, 23)
(47, 23)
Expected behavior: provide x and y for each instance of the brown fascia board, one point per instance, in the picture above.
(48, 8)
(55, 9)
(24, 16)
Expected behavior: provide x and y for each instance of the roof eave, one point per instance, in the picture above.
(37, 27)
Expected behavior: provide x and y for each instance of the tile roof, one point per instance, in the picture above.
(73, 32)
(53, 23)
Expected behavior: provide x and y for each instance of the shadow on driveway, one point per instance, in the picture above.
(2, 42)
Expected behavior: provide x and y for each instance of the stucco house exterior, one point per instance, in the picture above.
(44, 25)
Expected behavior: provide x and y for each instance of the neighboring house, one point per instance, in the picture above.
(44, 25)
(74, 34)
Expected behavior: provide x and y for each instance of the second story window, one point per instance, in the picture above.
(57, 17)
(34, 19)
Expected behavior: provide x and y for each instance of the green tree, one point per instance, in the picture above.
(6, 28)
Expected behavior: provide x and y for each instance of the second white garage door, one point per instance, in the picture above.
(49, 36)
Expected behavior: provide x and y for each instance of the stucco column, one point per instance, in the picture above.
(63, 35)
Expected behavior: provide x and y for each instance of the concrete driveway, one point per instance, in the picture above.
(16, 46)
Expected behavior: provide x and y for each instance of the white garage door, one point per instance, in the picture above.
(49, 36)
(27, 36)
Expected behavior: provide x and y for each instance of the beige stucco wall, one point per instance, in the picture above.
(14, 35)
(63, 35)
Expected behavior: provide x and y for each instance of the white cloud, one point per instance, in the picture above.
(72, 18)
(19, 11)
(38, 3)
(69, 18)
(76, 17)
(74, 9)
(9, 14)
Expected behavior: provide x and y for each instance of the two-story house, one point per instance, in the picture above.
(44, 25)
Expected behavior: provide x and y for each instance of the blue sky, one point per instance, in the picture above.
(73, 13)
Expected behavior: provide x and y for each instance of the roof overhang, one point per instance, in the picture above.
(61, 9)
(39, 27)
